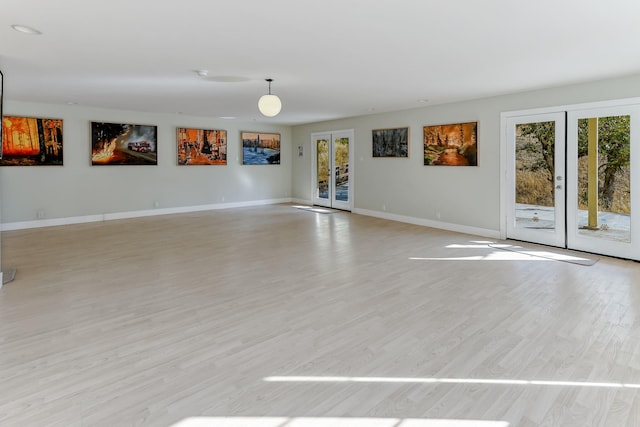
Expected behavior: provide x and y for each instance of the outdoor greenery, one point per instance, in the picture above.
(535, 156)
(535, 143)
(322, 153)
(614, 156)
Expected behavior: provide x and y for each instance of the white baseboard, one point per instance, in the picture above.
(9, 226)
(135, 214)
(493, 234)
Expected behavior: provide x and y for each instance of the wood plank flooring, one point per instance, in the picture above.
(150, 321)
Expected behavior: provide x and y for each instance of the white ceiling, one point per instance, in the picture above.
(328, 58)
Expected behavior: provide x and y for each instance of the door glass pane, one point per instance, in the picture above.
(342, 169)
(322, 166)
(534, 175)
(604, 189)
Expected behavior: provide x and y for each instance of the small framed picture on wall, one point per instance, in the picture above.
(451, 145)
(123, 144)
(260, 148)
(390, 142)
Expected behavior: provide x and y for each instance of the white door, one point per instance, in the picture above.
(536, 178)
(576, 189)
(603, 180)
(332, 169)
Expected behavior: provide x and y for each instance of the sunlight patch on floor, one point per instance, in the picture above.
(313, 209)
(493, 256)
(330, 422)
(449, 381)
(507, 252)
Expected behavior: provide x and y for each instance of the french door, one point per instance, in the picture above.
(536, 164)
(332, 164)
(572, 178)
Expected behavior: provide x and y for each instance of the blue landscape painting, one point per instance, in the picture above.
(260, 148)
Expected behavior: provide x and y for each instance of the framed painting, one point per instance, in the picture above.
(260, 148)
(31, 141)
(201, 146)
(451, 145)
(123, 144)
(390, 142)
(1, 111)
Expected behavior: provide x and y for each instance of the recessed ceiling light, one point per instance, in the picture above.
(423, 101)
(26, 30)
(227, 117)
(72, 103)
(202, 73)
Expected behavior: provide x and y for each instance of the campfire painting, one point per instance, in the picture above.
(123, 144)
(451, 145)
(31, 141)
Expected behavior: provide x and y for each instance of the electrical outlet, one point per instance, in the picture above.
(40, 214)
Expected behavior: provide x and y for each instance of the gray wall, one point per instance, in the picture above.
(466, 196)
(78, 189)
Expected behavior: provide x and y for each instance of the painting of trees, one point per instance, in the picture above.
(390, 142)
(451, 145)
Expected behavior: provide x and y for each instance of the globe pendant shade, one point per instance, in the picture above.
(269, 105)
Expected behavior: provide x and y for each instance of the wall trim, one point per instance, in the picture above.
(135, 214)
(465, 229)
(494, 234)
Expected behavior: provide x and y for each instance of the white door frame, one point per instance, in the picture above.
(505, 192)
(332, 201)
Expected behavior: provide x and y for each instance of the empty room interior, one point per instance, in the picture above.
(312, 214)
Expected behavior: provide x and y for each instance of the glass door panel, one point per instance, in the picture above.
(534, 173)
(332, 160)
(322, 168)
(341, 180)
(535, 156)
(603, 207)
(604, 185)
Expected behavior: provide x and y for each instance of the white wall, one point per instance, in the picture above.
(78, 189)
(468, 197)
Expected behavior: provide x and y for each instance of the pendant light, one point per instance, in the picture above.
(269, 105)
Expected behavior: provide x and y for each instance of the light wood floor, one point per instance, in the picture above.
(151, 321)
